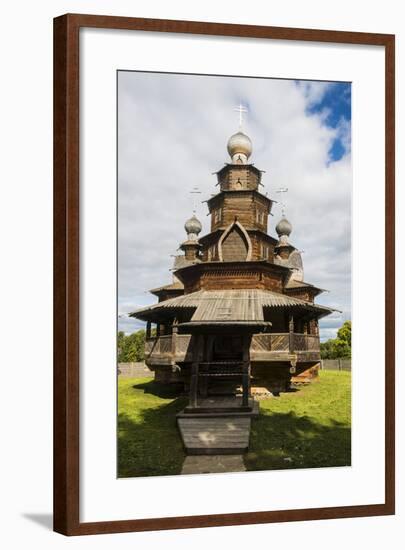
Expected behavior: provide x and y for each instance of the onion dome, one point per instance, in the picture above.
(193, 228)
(239, 148)
(283, 228)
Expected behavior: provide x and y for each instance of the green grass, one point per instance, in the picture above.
(148, 440)
(307, 428)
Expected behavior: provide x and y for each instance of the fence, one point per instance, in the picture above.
(336, 364)
(134, 370)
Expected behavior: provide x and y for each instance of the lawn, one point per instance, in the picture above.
(306, 428)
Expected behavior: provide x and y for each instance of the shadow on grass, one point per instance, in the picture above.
(151, 444)
(287, 441)
(161, 390)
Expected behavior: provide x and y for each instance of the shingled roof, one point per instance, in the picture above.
(230, 305)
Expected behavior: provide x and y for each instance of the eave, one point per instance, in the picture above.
(229, 166)
(206, 266)
(209, 237)
(213, 199)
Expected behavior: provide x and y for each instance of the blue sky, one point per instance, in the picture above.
(301, 133)
(336, 105)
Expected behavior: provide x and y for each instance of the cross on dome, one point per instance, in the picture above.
(239, 144)
(195, 191)
(282, 190)
(241, 109)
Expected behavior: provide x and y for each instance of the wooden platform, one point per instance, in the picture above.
(218, 426)
(215, 436)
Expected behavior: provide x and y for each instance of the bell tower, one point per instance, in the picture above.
(239, 211)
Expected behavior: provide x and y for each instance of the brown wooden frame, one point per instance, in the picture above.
(66, 273)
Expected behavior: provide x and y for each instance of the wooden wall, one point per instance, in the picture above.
(239, 177)
(234, 278)
(250, 209)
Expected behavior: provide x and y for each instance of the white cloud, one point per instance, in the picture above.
(173, 131)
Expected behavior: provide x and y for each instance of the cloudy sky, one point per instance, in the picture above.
(172, 135)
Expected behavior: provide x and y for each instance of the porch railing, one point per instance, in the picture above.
(179, 349)
(285, 341)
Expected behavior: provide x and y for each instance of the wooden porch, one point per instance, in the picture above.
(177, 348)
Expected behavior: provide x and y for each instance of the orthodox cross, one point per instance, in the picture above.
(241, 109)
(195, 191)
(282, 190)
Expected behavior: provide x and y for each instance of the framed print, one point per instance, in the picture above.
(224, 298)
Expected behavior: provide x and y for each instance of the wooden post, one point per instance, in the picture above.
(194, 371)
(291, 332)
(246, 371)
(204, 381)
(157, 330)
(148, 329)
(175, 330)
(210, 347)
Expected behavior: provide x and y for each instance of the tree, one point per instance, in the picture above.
(341, 346)
(131, 347)
(345, 333)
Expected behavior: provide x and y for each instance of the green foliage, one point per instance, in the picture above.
(131, 347)
(341, 346)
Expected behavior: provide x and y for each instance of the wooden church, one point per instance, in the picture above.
(238, 314)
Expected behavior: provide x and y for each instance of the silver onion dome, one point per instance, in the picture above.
(193, 227)
(239, 144)
(283, 228)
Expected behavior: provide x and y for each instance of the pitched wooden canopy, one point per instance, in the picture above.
(229, 305)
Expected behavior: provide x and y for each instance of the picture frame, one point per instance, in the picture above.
(67, 232)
